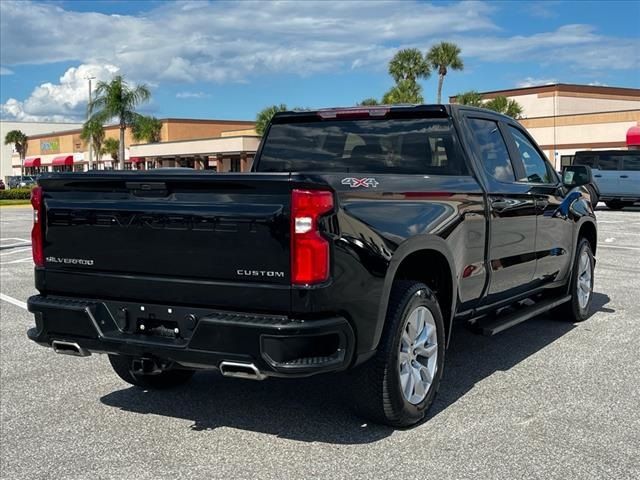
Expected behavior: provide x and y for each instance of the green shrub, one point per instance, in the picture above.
(15, 194)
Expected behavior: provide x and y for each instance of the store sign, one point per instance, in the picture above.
(50, 146)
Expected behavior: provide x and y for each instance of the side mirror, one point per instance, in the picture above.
(576, 175)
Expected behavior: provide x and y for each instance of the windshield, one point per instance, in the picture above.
(412, 145)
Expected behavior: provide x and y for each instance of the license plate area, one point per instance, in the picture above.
(156, 327)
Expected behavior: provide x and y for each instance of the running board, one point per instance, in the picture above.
(523, 314)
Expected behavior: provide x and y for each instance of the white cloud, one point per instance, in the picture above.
(5, 71)
(62, 101)
(224, 41)
(534, 82)
(192, 95)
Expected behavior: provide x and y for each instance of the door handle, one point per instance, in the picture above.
(500, 205)
(624, 176)
(598, 176)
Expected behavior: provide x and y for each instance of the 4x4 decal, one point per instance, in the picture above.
(360, 182)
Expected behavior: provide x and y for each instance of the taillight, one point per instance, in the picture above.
(309, 249)
(37, 232)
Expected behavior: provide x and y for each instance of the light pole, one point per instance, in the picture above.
(89, 77)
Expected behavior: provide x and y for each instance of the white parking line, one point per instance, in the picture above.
(22, 260)
(15, 251)
(13, 301)
(606, 245)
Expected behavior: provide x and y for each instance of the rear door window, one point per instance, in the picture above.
(397, 145)
(589, 160)
(631, 162)
(494, 154)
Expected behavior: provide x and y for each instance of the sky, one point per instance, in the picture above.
(228, 60)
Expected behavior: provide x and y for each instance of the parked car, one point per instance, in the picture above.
(616, 173)
(18, 181)
(2, 185)
(358, 239)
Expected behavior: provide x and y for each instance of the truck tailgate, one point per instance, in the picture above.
(180, 230)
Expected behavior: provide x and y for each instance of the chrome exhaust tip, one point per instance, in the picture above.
(69, 348)
(241, 370)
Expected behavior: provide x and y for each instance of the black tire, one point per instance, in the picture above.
(572, 311)
(376, 385)
(615, 204)
(167, 379)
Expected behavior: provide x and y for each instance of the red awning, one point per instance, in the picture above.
(633, 137)
(63, 160)
(136, 159)
(32, 162)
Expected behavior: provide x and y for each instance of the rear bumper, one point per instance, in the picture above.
(195, 337)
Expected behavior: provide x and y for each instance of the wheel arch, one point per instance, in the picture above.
(589, 231)
(408, 263)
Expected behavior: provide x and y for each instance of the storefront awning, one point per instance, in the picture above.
(63, 160)
(136, 159)
(32, 162)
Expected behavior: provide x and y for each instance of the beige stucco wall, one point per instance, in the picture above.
(29, 128)
(197, 147)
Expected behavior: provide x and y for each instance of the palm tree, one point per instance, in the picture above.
(20, 142)
(409, 64)
(505, 106)
(112, 148)
(368, 102)
(405, 91)
(265, 115)
(471, 97)
(93, 132)
(116, 99)
(146, 129)
(442, 56)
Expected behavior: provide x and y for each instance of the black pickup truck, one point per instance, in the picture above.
(357, 240)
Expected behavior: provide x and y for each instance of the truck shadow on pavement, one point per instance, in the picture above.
(316, 409)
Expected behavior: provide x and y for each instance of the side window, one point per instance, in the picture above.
(608, 161)
(536, 168)
(631, 162)
(588, 160)
(493, 149)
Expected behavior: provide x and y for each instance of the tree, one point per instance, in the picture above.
(405, 91)
(265, 115)
(112, 148)
(505, 106)
(443, 56)
(471, 97)
(20, 142)
(409, 64)
(116, 99)
(146, 129)
(368, 102)
(93, 132)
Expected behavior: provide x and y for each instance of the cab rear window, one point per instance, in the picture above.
(400, 146)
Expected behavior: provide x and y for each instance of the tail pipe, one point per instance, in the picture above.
(69, 348)
(241, 370)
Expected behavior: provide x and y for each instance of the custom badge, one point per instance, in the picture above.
(360, 182)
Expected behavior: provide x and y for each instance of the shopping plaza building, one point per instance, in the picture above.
(221, 145)
(565, 118)
(562, 118)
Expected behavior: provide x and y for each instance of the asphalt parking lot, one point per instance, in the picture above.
(544, 399)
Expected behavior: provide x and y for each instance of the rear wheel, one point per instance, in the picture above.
(581, 285)
(398, 385)
(122, 365)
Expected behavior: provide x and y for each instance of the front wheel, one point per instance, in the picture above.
(122, 365)
(580, 285)
(398, 385)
